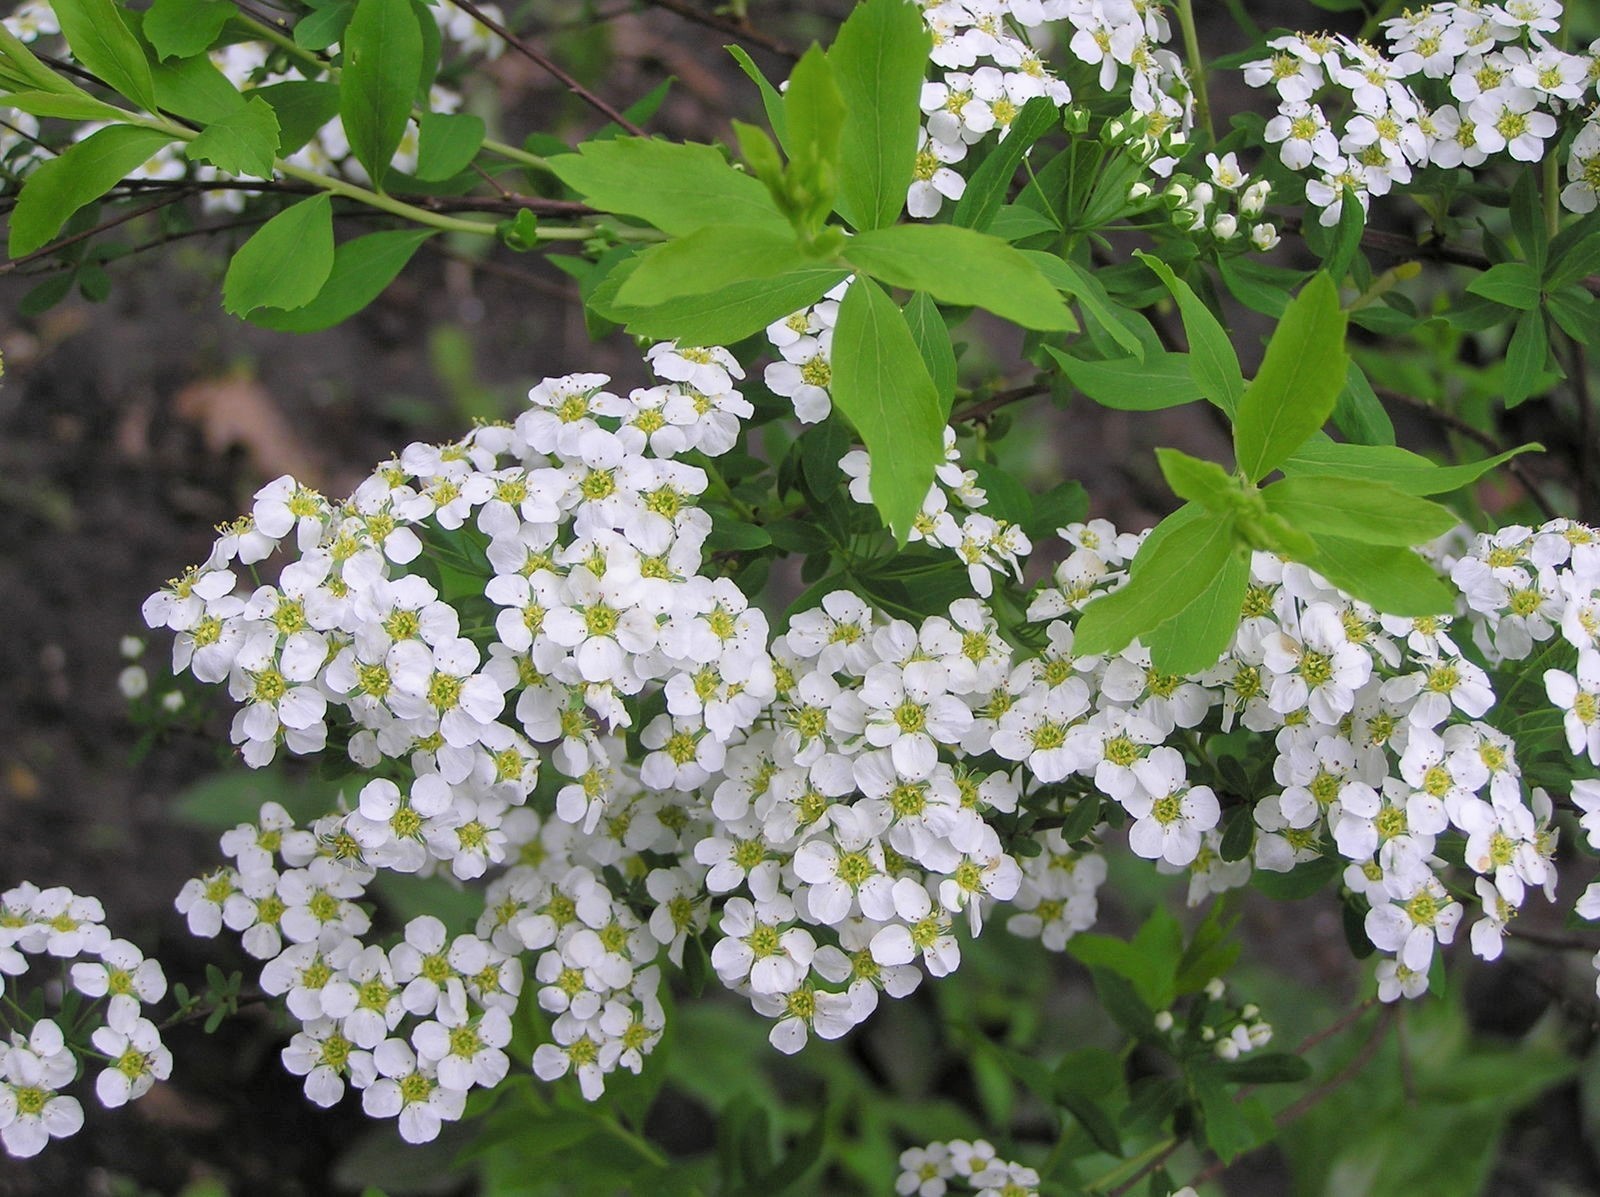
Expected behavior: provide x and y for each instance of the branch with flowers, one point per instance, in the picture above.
(771, 682)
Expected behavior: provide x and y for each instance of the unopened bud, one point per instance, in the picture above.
(1254, 198)
(1225, 227)
(1264, 237)
(1164, 1021)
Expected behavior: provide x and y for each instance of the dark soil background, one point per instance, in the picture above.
(129, 428)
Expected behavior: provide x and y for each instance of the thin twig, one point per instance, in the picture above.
(985, 408)
(57, 246)
(541, 59)
(1456, 424)
(510, 202)
(723, 23)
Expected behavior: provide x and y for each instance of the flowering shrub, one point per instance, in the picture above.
(561, 662)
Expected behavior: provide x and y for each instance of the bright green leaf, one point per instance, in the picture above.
(1399, 468)
(961, 266)
(1393, 580)
(1197, 480)
(447, 143)
(103, 44)
(771, 97)
(1074, 280)
(1514, 284)
(362, 268)
(196, 90)
(184, 28)
(677, 188)
(814, 112)
(1358, 510)
(1294, 392)
(879, 59)
(990, 184)
(79, 175)
(1195, 638)
(1127, 384)
(72, 106)
(719, 317)
(285, 262)
(242, 143)
(882, 387)
(932, 336)
(322, 27)
(383, 54)
(708, 260)
(1212, 361)
(1359, 413)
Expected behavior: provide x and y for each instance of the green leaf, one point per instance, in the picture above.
(242, 143)
(1371, 512)
(1346, 242)
(771, 97)
(447, 143)
(1229, 1129)
(961, 266)
(881, 385)
(285, 262)
(383, 53)
(991, 182)
(719, 317)
(1265, 1068)
(1122, 1002)
(196, 90)
(710, 259)
(24, 64)
(1399, 468)
(1294, 392)
(72, 106)
(1212, 361)
(318, 30)
(1196, 637)
(1077, 282)
(879, 58)
(1127, 384)
(103, 44)
(362, 268)
(1359, 413)
(1199, 481)
(678, 188)
(302, 108)
(184, 28)
(1577, 314)
(1582, 260)
(1393, 580)
(79, 175)
(932, 336)
(1180, 569)
(814, 111)
(1525, 358)
(1515, 284)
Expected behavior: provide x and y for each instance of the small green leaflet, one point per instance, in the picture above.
(383, 52)
(1197, 480)
(720, 317)
(882, 387)
(932, 336)
(285, 263)
(961, 266)
(814, 112)
(879, 58)
(72, 106)
(1399, 468)
(1127, 384)
(362, 268)
(1196, 637)
(771, 97)
(1294, 392)
(447, 142)
(1212, 361)
(708, 260)
(1525, 357)
(1360, 510)
(184, 28)
(245, 142)
(677, 188)
(195, 90)
(104, 45)
(302, 108)
(1514, 284)
(79, 175)
(1393, 580)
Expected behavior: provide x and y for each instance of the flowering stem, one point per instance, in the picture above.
(1197, 67)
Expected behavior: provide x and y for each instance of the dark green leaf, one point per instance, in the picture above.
(961, 266)
(881, 385)
(302, 108)
(1212, 361)
(383, 54)
(321, 28)
(1576, 264)
(103, 44)
(1228, 1130)
(1371, 512)
(879, 58)
(1062, 504)
(285, 262)
(1393, 580)
(1294, 392)
(1359, 413)
(1525, 358)
(447, 143)
(1346, 238)
(1528, 222)
(1577, 314)
(1119, 999)
(1127, 384)
(362, 268)
(184, 28)
(1265, 1068)
(991, 182)
(679, 188)
(932, 336)
(1514, 284)
(1092, 1116)
(710, 259)
(79, 175)
(245, 142)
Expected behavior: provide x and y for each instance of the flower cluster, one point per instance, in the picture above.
(1227, 205)
(973, 1167)
(37, 1061)
(1225, 1031)
(987, 58)
(1457, 84)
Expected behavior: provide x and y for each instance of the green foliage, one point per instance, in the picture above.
(680, 188)
(383, 57)
(102, 42)
(285, 262)
(362, 267)
(447, 143)
(245, 142)
(77, 176)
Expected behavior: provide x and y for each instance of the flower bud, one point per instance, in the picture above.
(1264, 236)
(1215, 989)
(133, 682)
(1225, 227)
(1227, 1049)
(1254, 198)
(1164, 1021)
(1138, 193)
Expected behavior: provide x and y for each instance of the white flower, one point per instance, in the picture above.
(1170, 814)
(138, 1058)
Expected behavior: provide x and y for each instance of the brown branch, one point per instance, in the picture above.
(509, 203)
(539, 58)
(732, 26)
(1456, 424)
(57, 246)
(985, 408)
